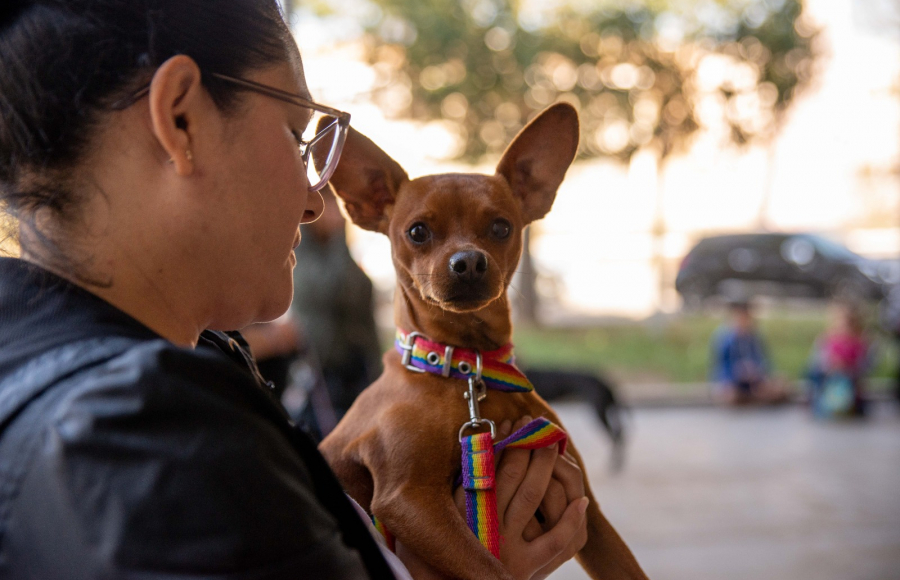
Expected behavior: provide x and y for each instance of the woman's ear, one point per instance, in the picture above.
(176, 92)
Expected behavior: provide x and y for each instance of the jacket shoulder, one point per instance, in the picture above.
(164, 458)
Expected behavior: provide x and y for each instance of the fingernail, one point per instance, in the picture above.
(583, 504)
(526, 418)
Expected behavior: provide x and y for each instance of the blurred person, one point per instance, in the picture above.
(157, 176)
(840, 360)
(741, 370)
(334, 304)
(889, 319)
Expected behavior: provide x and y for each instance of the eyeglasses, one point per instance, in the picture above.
(321, 142)
(324, 136)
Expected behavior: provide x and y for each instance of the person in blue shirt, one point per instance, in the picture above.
(741, 371)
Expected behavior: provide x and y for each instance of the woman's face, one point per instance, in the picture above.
(262, 196)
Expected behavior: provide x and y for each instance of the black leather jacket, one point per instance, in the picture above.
(124, 456)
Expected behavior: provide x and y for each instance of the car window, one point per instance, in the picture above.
(771, 243)
(707, 246)
(743, 259)
(832, 249)
(798, 250)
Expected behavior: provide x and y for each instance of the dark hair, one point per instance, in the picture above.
(739, 305)
(854, 313)
(64, 62)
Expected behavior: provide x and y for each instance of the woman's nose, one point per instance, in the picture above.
(314, 207)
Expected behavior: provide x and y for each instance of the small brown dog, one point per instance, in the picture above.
(456, 241)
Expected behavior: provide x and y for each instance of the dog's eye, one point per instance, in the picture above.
(500, 229)
(419, 233)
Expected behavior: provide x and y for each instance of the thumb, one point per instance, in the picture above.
(551, 544)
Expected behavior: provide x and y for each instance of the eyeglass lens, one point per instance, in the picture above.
(324, 136)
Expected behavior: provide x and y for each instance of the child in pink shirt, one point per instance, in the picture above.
(841, 359)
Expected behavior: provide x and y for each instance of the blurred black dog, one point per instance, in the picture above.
(556, 385)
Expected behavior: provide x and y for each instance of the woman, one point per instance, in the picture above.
(151, 162)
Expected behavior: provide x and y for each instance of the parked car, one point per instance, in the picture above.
(779, 264)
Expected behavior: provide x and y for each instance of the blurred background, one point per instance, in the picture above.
(732, 151)
(700, 118)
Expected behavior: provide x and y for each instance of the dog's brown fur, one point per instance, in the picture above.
(397, 451)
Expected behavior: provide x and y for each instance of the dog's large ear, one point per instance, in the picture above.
(367, 179)
(536, 162)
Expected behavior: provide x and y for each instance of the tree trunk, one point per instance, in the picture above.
(528, 296)
(658, 233)
(762, 220)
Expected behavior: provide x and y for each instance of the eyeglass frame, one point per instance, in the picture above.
(343, 120)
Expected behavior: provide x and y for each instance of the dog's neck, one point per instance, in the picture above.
(486, 329)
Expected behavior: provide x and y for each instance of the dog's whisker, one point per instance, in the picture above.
(519, 292)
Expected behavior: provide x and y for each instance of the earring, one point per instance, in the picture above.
(188, 155)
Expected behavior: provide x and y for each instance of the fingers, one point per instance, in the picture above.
(511, 468)
(554, 504)
(565, 539)
(531, 491)
(575, 546)
(504, 429)
(532, 530)
(569, 475)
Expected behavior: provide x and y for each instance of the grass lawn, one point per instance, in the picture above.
(676, 349)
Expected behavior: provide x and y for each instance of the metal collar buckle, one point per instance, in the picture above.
(407, 346)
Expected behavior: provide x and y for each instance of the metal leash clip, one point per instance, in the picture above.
(407, 347)
(477, 392)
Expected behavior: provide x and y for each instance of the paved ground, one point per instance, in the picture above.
(752, 494)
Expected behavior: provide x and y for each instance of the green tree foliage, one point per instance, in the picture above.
(643, 73)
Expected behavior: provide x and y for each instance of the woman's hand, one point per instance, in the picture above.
(527, 482)
(530, 481)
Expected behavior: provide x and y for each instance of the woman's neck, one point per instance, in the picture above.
(127, 286)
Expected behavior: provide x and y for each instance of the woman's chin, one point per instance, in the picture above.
(277, 307)
(274, 304)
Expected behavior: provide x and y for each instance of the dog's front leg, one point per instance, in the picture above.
(425, 519)
(604, 555)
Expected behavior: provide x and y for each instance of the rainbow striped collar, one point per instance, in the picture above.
(498, 367)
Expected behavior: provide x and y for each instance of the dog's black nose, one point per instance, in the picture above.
(469, 266)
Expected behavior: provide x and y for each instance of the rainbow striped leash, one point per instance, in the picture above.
(497, 370)
(479, 481)
(498, 367)
(389, 538)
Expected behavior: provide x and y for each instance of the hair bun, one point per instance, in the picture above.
(10, 9)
